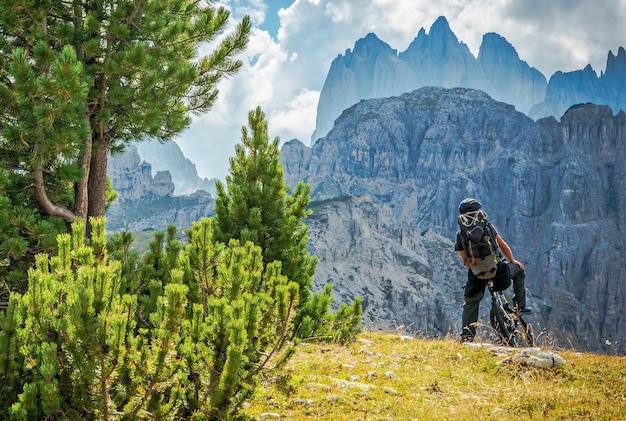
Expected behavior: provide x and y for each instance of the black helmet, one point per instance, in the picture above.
(469, 205)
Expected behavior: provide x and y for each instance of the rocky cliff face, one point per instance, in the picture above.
(168, 157)
(579, 223)
(148, 203)
(440, 59)
(409, 280)
(132, 178)
(387, 180)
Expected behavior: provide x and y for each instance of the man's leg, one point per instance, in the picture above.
(518, 276)
(502, 279)
(474, 292)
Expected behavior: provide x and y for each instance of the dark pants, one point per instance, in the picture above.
(474, 292)
(518, 276)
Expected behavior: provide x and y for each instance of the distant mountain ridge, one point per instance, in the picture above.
(148, 203)
(167, 156)
(374, 70)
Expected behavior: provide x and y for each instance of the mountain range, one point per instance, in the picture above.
(372, 69)
(147, 201)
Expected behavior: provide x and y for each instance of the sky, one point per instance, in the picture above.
(293, 43)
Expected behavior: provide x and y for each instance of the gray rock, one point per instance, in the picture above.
(167, 156)
(132, 177)
(582, 86)
(530, 357)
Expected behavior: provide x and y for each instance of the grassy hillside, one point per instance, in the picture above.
(393, 377)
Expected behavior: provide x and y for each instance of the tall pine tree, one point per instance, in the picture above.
(80, 79)
(256, 205)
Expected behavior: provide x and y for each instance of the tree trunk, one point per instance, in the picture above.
(40, 192)
(97, 179)
(81, 192)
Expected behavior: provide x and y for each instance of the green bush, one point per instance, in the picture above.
(79, 345)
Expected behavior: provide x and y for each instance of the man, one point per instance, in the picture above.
(471, 209)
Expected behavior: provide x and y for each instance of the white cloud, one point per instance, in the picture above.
(297, 119)
(284, 75)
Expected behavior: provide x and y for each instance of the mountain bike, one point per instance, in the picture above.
(507, 322)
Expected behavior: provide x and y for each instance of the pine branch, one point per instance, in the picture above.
(278, 344)
(42, 198)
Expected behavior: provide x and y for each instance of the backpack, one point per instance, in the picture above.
(479, 243)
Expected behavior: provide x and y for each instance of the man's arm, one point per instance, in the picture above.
(507, 251)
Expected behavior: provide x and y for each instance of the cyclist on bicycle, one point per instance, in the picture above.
(475, 287)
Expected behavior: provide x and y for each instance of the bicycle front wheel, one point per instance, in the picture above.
(523, 334)
(501, 325)
(514, 332)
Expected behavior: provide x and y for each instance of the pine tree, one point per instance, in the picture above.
(82, 79)
(256, 206)
(240, 319)
(77, 345)
(87, 77)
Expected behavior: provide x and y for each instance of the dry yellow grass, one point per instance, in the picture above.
(391, 377)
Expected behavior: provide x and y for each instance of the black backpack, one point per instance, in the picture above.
(479, 243)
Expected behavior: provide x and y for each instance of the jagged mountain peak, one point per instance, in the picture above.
(499, 46)
(440, 59)
(588, 69)
(439, 39)
(511, 79)
(441, 29)
(369, 40)
(620, 53)
(372, 69)
(587, 73)
(369, 48)
(616, 64)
